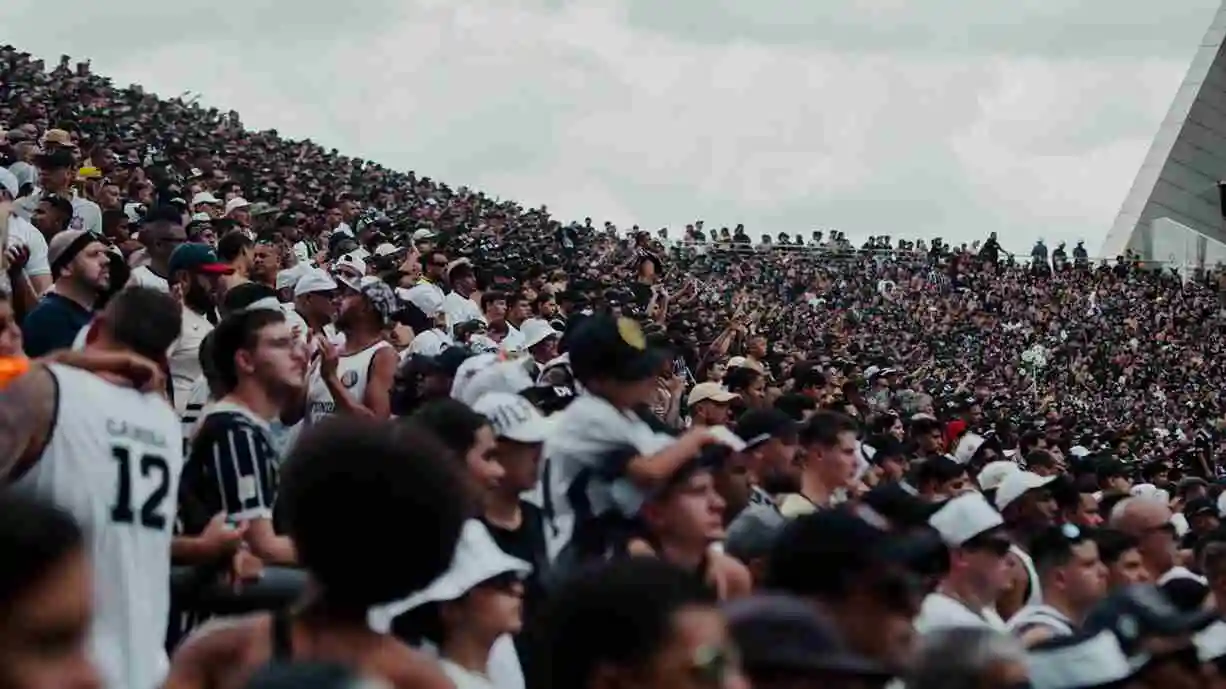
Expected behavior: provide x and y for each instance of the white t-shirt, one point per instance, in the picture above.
(145, 277)
(430, 343)
(195, 406)
(22, 233)
(503, 668)
(588, 460)
(86, 215)
(184, 356)
(459, 309)
(939, 611)
(464, 678)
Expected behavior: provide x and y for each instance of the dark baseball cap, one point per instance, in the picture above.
(819, 553)
(602, 346)
(55, 159)
(1110, 467)
(903, 509)
(198, 258)
(757, 426)
(783, 634)
(753, 532)
(1199, 506)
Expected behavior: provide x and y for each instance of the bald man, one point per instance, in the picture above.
(1149, 521)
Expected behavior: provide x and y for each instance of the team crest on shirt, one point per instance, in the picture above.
(349, 378)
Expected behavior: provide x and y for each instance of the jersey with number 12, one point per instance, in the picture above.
(113, 460)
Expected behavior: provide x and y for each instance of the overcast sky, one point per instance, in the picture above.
(904, 117)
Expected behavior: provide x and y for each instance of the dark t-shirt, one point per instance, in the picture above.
(52, 324)
(528, 544)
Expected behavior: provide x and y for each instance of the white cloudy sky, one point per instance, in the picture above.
(901, 117)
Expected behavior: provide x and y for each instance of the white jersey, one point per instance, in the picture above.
(113, 461)
(353, 370)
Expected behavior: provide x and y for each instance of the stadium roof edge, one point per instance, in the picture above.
(1186, 159)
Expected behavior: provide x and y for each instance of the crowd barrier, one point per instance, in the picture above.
(201, 589)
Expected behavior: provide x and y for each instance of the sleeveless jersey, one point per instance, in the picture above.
(353, 370)
(113, 461)
(1034, 595)
(1041, 616)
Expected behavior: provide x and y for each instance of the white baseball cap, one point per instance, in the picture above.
(236, 203)
(8, 182)
(967, 447)
(387, 249)
(313, 281)
(350, 262)
(993, 473)
(513, 417)
(964, 517)
(423, 233)
(286, 279)
(204, 197)
(1016, 484)
(536, 331)
(428, 298)
(496, 375)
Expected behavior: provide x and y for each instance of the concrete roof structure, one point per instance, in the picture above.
(1179, 179)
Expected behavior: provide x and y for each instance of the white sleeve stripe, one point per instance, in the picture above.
(225, 506)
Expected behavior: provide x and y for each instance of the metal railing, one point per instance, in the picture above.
(202, 589)
(848, 253)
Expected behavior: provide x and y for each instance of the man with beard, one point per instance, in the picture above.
(233, 464)
(161, 232)
(194, 273)
(82, 271)
(356, 377)
(1026, 503)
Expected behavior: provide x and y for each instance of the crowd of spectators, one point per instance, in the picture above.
(799, 407)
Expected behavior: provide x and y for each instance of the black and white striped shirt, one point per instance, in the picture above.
(231, 468)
